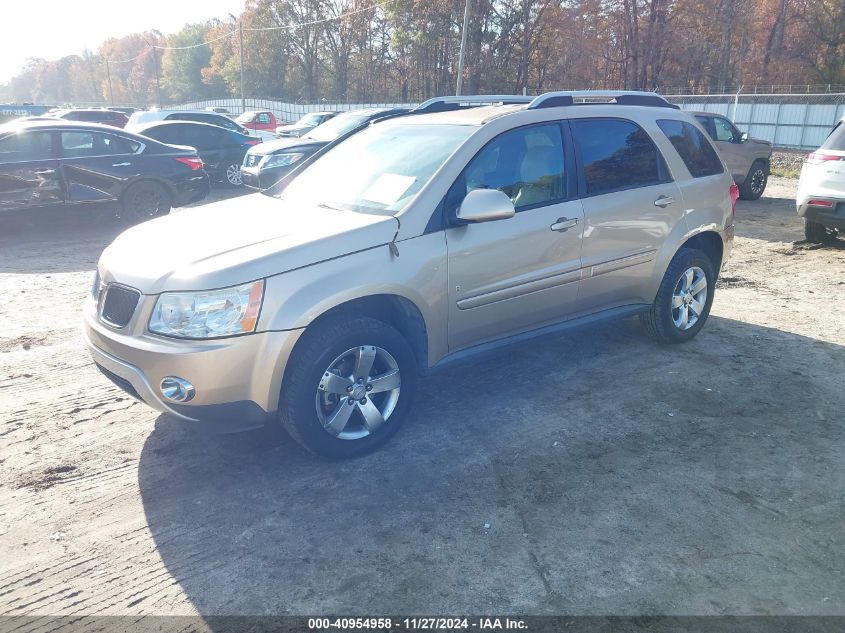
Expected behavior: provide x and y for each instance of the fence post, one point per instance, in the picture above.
(804, 125)
(777, 124)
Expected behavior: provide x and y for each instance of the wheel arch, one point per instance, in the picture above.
(171, 193)
(395, 310)
(711, 244)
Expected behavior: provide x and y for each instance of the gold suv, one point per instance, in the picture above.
(415, 242)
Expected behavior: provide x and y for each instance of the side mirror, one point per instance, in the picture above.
(744, 137)
(485, 205)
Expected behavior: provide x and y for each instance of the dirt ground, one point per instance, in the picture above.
(589, 473)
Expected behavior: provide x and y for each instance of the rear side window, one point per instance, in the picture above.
(617, 154)
(80, 144)
(693, 147)
(836, 140)
(26, 146)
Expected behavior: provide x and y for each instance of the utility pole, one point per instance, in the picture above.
(158, 81)
(463, 47)
(108, 75)
(241, 39)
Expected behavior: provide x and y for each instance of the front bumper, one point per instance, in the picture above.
(831, 217)
(237, 379)
(257, 178)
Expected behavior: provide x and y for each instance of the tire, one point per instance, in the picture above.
(232, 175)
(755, 182)
(818, 233)
(144, 200)
(316, 411)
(664, 319)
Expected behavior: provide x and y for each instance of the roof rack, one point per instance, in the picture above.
(445, 104)
(603, 97)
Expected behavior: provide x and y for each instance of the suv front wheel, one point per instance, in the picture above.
(683, 300)
(348, 386)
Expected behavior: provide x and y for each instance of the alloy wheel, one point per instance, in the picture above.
(689, 298)
(358, 392)
(758, 181)
(233, 175)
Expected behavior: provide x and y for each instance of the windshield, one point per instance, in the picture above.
(246, 117)
(378, 170)
(338, 126)
(310, 119)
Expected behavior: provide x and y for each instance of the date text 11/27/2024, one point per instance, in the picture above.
(418, 624)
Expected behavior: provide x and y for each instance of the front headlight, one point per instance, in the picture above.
(209, 313)
(280, 160)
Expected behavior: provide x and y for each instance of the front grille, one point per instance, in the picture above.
(121, 382)
(119, 305)
(253, 159)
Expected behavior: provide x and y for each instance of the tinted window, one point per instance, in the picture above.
(75, 144)
(725, 131)
(263, 118)
(693, 147)
(836, 140)
(707, 124)
(617, 154)
(526, 164)
(26, 146)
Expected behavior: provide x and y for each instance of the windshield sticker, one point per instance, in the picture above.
(388, 188)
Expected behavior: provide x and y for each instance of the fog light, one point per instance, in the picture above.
(177, 389)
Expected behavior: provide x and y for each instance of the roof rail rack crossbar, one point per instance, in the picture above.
(442, 104)
(600, 97)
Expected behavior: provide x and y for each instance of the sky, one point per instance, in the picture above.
(51, 29)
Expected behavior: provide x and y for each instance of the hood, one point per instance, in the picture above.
(286, 144)
(759, 141)
(234, 241)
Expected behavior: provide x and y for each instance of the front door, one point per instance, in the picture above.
(728, 142)
(512, 275)
(29, 171)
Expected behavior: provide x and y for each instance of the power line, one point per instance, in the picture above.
(301, 24)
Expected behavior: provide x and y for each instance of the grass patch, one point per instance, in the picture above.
(785, 172)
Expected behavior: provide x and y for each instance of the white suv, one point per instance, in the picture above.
(821, 190)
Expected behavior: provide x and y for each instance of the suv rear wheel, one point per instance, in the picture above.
(818, 233)
(683, 300)
(348, 386)
(755, 182)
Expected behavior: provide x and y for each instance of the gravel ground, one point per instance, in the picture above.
(589, 473)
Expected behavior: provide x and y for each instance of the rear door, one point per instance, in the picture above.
(630, 205)
(29, 170)
(517, 274)
(96, 165)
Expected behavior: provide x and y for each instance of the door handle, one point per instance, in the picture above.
(121, 164)
(663, 201)
(564, 224)
(44, 172)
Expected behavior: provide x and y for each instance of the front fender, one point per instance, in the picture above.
(296, 298)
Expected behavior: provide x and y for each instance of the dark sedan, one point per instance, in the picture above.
(45, 163)
(265, 164)
(106, 117)
(222, 151)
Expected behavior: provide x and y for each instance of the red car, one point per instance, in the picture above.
(106, 117)
(258, 120)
